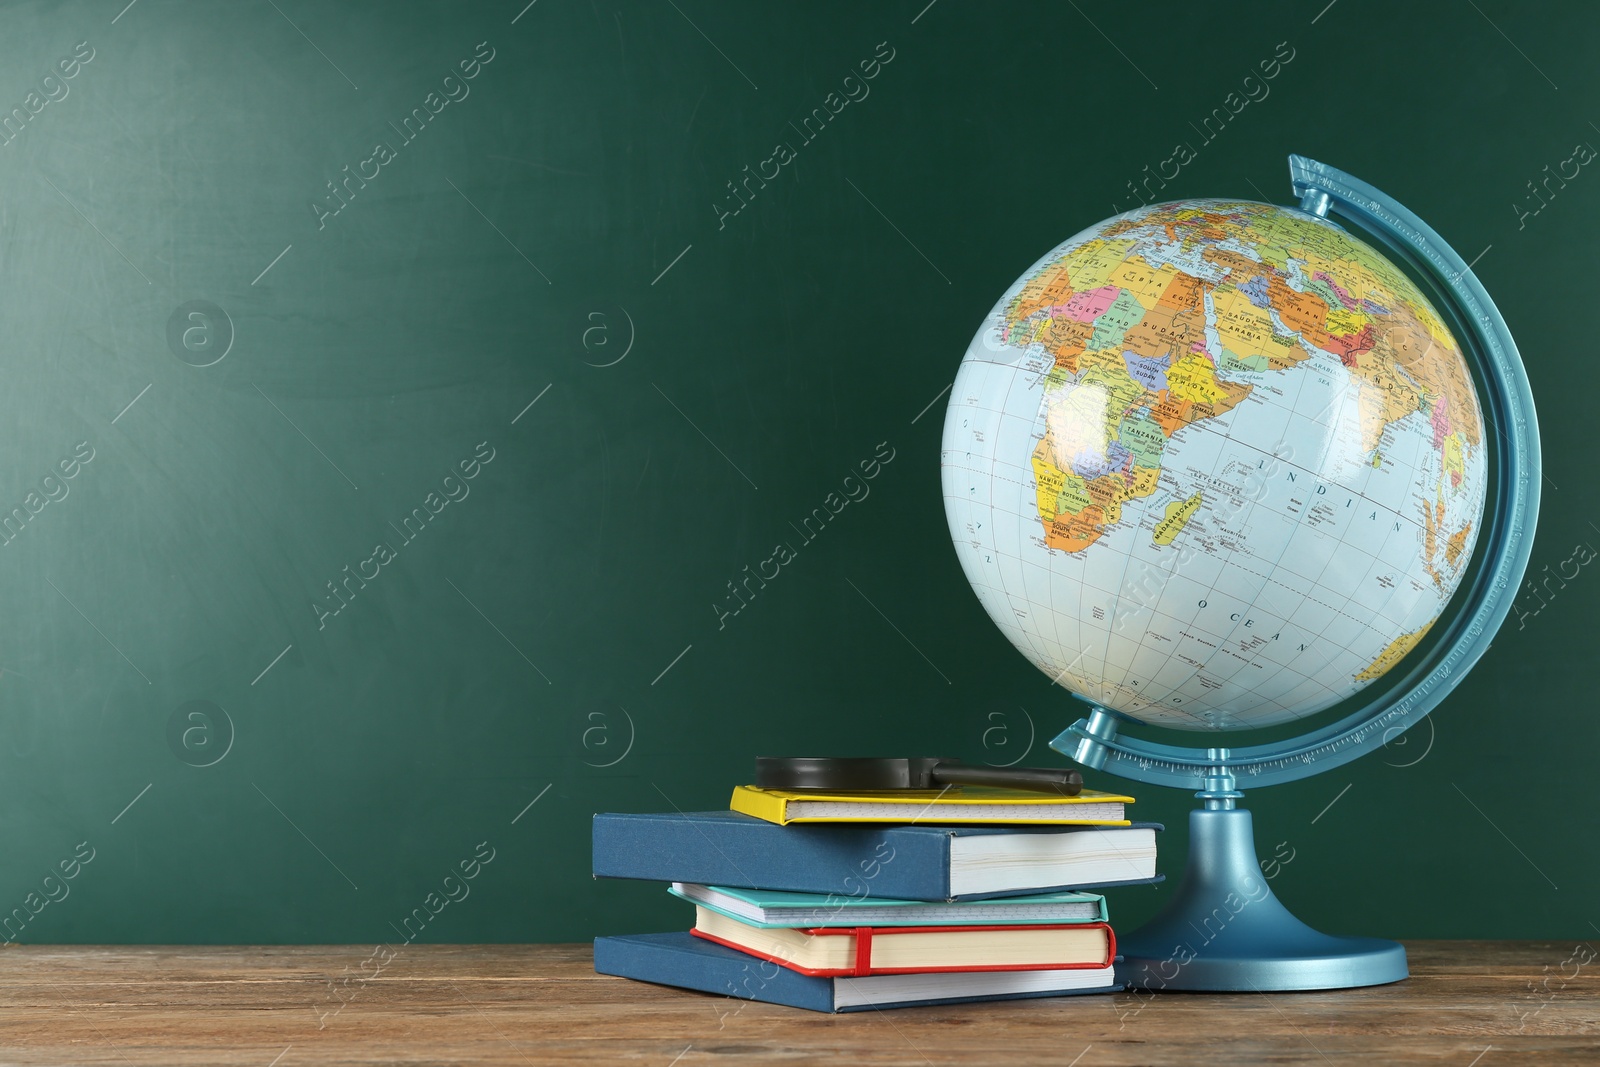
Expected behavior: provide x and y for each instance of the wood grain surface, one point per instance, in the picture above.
(1467, 1003)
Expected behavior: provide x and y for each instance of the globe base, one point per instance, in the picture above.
(1225, 930)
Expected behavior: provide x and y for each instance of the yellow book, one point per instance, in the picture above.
(960, 804)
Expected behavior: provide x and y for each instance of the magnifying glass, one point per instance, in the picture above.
(856, 773)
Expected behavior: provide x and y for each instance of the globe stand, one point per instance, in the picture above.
(1225, 930)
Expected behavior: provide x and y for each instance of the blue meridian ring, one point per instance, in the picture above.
(1508, 541)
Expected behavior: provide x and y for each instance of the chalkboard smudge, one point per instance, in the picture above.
(784, 153)
(383, 153)
(383, 553)
(785, 553)
(34, 102)
(55, 489)
(33, 903)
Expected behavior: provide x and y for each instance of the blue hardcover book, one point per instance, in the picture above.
(934, 863)
(689, 962)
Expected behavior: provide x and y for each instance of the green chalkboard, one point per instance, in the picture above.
(397, 396)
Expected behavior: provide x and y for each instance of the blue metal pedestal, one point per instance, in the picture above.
(1225, 930)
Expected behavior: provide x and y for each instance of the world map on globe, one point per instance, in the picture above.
(1214, 464)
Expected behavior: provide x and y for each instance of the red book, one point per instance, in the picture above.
(857, 951)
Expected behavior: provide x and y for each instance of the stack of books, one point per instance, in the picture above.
(842, 902)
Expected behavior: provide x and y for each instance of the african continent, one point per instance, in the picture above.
(1214, 464)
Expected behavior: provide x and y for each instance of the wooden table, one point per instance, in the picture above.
(1486, 1003)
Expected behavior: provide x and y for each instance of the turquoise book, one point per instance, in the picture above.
(772, 908)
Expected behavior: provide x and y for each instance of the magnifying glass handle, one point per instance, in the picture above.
(1040, 779)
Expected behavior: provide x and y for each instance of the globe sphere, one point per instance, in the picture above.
(1214, 465)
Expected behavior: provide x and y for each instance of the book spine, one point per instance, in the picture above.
(768, 807)
(847, 862)
(738, 975)
(910, 864)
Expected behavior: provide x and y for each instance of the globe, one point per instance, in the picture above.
(1214, 464)
(1220, 465)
